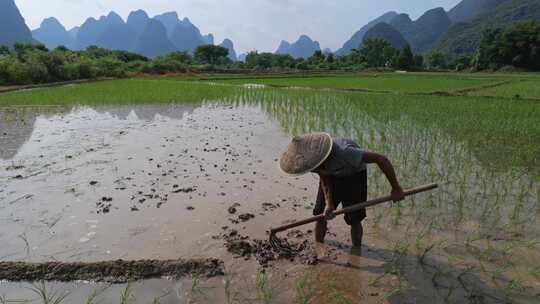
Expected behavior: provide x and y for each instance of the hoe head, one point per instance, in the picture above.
(279, 245)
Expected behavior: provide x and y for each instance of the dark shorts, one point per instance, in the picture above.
(347, 191)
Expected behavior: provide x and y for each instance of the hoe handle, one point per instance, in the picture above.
(354, 208)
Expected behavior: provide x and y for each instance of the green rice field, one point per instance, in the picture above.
(475, 240)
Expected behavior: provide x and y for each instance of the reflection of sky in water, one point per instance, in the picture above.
(17, 124)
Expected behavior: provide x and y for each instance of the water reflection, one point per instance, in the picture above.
(17, 124)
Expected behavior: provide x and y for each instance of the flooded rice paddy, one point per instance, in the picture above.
(169, 181)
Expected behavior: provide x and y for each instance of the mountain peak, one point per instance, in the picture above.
(50, 20)
(172, 15)
(229, 45)
(14, 28)
(435, 12)
(137, 21)
(304, 47)
(388, 33)
(138, 14)
(169, 20)
(114, 18)
(357, 38)
(284, 47)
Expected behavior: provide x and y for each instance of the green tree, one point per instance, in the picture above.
(317, 57)
(461, 63)
(211, 54)
(330, 58)
(405, 58)
(182, 57)
(375, 53)
(487, 55)
(518, 45)
(418, 61)
(435, 61)
(4, 50)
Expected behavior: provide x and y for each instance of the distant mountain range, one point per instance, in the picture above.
(304, 47)
(152, 37)
(457, 31)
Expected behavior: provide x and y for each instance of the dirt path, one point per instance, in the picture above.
(118, 271)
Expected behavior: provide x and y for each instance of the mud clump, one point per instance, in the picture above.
(119, 271)
(246, 217)
(232, 209)
(265, 253)
(184, 190)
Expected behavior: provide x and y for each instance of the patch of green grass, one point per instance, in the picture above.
(120, 91)
(516, 89)
(380, 83)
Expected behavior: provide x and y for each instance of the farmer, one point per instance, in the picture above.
(341, 166)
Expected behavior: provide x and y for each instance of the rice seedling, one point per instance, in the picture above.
(126, 296)
(305, 291)
(197, 288)
(334, 295)
(232, 295)
(92, 299)
(267, 291)
(157, 300)
(47, 296)
(5, 300)
(23, 237)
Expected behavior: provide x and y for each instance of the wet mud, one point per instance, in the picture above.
(118, 271)
(266, 252)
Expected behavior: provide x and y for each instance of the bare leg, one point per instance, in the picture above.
(320, 231)
(357, 233)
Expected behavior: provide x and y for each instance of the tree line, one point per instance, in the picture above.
(517, 47)
(34, 63)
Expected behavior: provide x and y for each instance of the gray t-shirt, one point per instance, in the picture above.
(346, 159)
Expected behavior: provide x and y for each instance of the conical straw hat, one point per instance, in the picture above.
(305, 153)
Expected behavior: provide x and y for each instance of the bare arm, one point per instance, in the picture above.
(388, 169)
(326, 185)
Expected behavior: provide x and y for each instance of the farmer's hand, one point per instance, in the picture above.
(397, 194)
(329, 212)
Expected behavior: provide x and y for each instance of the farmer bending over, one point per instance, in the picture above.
(341, 166)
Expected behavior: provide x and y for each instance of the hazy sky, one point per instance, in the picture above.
(251, 24)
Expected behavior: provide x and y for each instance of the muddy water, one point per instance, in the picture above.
(100, 183)
(145, 182)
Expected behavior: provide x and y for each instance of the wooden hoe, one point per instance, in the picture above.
(278, 244)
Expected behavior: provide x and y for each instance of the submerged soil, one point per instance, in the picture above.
(118, 271)
(266, 251)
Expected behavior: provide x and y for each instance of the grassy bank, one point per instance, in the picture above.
(119, 91)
